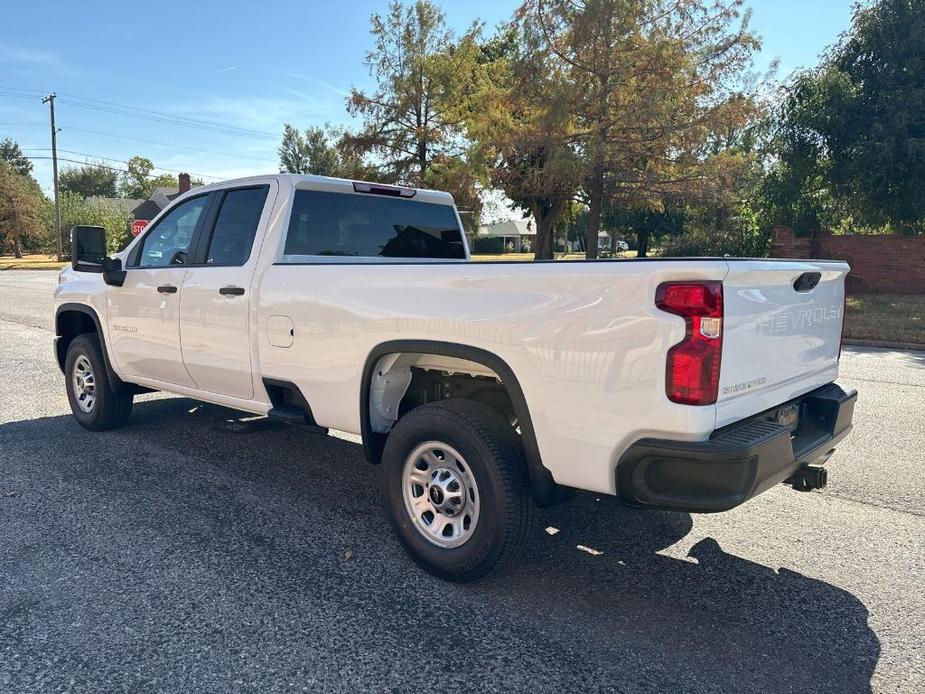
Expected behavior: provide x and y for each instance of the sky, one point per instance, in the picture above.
(206, 86)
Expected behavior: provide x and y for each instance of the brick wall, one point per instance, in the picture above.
(879, 264)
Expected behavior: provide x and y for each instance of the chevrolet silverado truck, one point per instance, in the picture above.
(482, 389)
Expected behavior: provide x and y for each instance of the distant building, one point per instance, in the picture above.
(511, 236)
(150, 208)
(161, 198)
(519, 236)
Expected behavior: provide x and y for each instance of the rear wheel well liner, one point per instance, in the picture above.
(545, 490)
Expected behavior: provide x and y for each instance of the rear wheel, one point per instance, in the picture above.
(95, 404)
(456, 488)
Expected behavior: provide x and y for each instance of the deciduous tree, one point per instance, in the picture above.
(522, 122)
(112, 217)
(12, 155)
(412, 121)
(652, 79)
(321, 151)
(139, 182)
(90, 180)
(851, 137)
(22, 216)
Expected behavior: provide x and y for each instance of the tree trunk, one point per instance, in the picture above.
(422, 159)
(595, 200)
(17, 251)
(543, 250)
(546, 214)
(596, 185)
(642, 244)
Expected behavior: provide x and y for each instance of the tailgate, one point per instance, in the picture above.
(782, 332)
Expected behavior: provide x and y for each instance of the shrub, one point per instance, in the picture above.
(76, 210)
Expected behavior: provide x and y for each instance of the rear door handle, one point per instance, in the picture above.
(167, 289)
(231, 291)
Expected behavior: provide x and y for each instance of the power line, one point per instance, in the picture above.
(135, 112)
(144, 114)
(15, 95)
(173, 116)
(102, 166)
(37, 92)
(121, 161)
(164, 144)
(157, 117)
(127, 138)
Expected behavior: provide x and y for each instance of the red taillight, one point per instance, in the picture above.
(692, 374)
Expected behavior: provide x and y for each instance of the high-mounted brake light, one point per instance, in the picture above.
(692, 370)
(379, 189)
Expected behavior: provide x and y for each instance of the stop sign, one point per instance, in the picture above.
(138, 226)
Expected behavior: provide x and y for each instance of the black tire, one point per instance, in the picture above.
(495, 458)
(110, 410)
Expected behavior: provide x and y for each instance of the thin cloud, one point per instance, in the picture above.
(254, 112)
(320, 83)
(26, 56)
(230, 68)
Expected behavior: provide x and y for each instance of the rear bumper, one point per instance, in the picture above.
(738, 462)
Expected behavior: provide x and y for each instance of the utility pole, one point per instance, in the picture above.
(50, 100)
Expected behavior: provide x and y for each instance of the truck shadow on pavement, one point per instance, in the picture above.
(197, 543)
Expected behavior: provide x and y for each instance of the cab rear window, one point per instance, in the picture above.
(368, 226)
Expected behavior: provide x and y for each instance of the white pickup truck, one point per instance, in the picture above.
(482, 388)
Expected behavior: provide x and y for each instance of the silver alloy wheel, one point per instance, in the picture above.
(440, 494)
(84, 384)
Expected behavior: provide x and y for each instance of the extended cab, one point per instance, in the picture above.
(482, 388)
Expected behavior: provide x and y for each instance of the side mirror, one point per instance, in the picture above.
(88, 248)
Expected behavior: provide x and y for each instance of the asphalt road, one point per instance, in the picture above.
(196, 550)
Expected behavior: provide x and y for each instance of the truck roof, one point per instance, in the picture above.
(312, 182)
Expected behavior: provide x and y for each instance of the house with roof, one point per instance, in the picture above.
(519, 236)
(161, 197)
(509, 236)
(147, 210)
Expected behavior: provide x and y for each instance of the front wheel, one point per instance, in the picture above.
(456, 488)
(95, 404)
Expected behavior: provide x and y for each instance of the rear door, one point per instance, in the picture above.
(215, 316)
(782, 332)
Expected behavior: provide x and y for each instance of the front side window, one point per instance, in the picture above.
(236, 226)
(341, 224)
(169, 241)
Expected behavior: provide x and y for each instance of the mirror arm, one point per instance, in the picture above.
(113, 274)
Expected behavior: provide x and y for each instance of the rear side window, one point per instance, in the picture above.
(341, 224)
(236, 226)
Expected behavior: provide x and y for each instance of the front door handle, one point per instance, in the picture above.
(167, 289)
(231, 291)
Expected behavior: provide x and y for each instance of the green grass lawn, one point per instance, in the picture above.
(886, 317)
(31, 262)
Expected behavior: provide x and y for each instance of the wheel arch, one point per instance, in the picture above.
(72, 320)
(545, 490)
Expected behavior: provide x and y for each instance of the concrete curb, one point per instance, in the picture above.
(887, 345)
